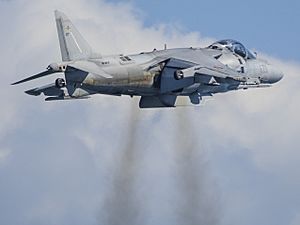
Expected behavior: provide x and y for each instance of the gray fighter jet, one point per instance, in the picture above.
(158, 77)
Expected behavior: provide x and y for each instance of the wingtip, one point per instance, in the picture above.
(18, 82)
(33, 92)
(12, 84)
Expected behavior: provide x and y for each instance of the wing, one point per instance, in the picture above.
(177, 74)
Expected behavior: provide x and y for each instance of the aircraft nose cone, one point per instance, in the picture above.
(275, 74)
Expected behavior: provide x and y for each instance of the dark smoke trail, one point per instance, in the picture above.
(197, 203)
(121, 206)
(194, 201)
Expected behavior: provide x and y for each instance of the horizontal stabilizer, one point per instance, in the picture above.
(48, 90)
(42, 74)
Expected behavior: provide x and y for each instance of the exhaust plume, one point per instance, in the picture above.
(121, 205)
(196, 204)
(191, 201)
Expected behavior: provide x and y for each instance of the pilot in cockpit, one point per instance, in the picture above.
(235, 47)
(233, 54)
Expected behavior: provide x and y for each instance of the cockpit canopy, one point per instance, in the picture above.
(235, 47)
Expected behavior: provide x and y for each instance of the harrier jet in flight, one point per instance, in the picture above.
(158, 77)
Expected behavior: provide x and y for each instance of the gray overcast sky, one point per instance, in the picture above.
(83, 162)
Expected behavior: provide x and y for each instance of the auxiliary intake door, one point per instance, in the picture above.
(170, 81)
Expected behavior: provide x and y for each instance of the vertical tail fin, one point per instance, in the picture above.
(72, 44)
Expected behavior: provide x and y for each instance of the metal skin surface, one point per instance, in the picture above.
(159, 77)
